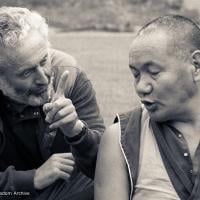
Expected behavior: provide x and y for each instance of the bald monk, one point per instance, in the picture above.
(153, 152)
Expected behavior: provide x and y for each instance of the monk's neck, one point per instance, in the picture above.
(191, 132)
(191, 124)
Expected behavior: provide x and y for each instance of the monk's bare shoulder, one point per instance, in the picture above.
(111, 170)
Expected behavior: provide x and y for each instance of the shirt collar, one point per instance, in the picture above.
(13, 105)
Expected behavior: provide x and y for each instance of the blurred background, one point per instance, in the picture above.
(98, 34)
(107, 15)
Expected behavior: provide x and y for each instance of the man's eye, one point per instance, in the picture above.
(27, 73)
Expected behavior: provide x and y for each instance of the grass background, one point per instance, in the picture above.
(107, 15)
(104, 57)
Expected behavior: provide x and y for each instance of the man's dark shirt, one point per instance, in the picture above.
(20, 124)
(28, 135)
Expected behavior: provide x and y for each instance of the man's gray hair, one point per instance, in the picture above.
(16, 23)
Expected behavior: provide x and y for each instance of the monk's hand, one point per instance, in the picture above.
(58, 166)
(61, 113)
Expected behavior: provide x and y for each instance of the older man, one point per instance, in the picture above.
(50, 124)
(153, 152)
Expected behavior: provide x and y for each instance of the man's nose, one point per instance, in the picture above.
(41, 76)
(143, 87)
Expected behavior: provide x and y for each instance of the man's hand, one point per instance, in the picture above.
(57, 166)
(61, 113)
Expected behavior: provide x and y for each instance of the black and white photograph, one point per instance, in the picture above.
(100, 100)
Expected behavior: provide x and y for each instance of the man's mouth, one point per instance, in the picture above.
(41, 90)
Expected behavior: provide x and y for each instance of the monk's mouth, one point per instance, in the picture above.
(150, 105)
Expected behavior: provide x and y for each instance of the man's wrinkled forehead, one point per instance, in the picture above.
(30, 51)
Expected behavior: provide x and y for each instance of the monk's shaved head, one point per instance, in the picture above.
(183, 34)
(164, 60)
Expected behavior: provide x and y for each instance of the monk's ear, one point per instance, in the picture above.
(196, 63)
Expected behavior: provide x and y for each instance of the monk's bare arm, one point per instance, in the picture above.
(111, 179)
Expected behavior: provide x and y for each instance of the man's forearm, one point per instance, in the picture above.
(85, 151)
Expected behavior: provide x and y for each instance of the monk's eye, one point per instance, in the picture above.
(43, 62)
(135, 72)
(154, 71)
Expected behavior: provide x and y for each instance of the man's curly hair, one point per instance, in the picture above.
(16, 23)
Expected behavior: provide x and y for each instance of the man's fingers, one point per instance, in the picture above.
(70, 120)
(66, 161)
(63, 155)
(47, 107)
(52, 108)
(65, 111)
(66, 168)
(59, 92)
(64, 175)
(61, 85)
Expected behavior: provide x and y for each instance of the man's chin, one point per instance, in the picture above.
(26, 98)
(37, 100)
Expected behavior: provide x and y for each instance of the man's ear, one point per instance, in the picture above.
(196, 63)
